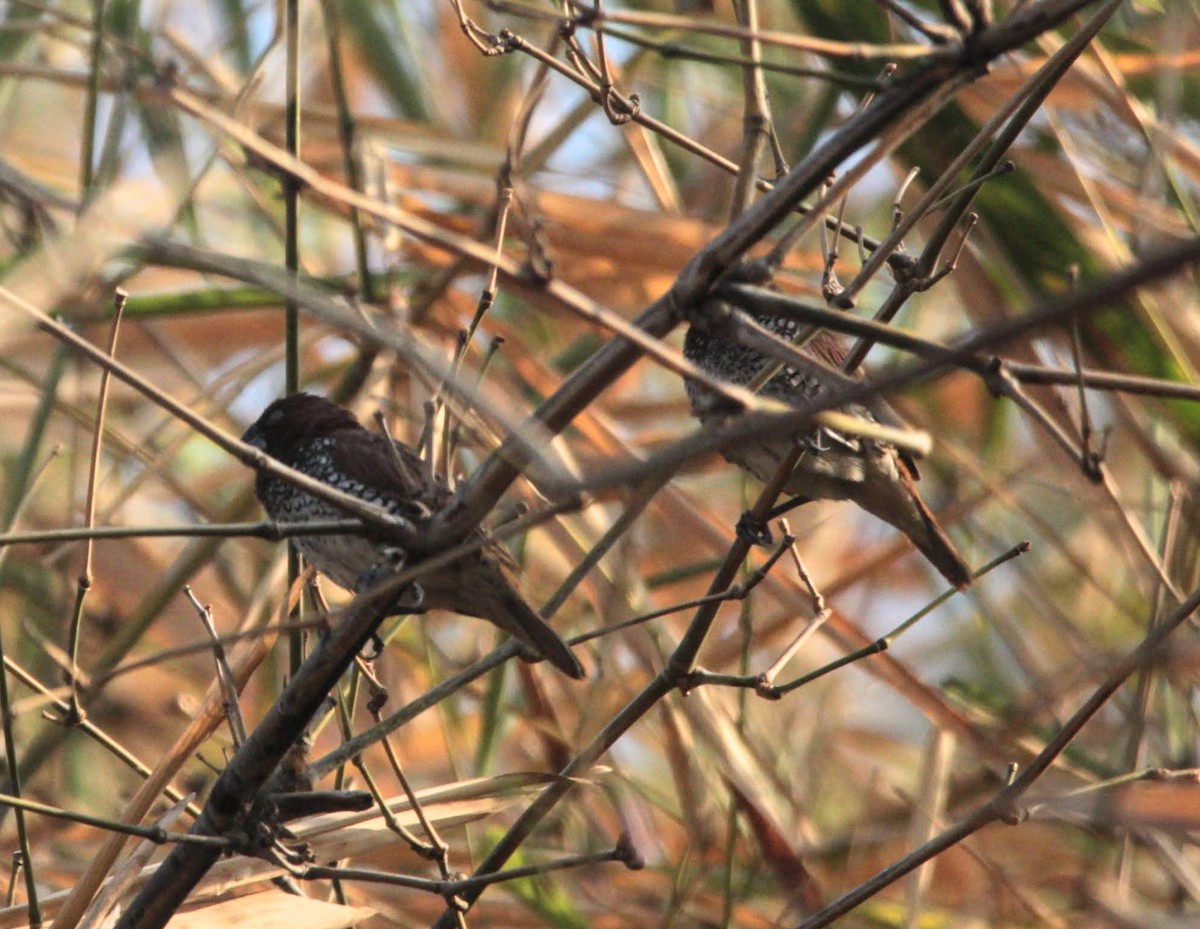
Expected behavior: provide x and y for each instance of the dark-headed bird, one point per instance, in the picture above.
(326, 442)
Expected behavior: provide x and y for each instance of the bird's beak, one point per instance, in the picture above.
(254, 436)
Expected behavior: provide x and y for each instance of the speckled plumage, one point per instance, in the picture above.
(327, 443)
(834, 467)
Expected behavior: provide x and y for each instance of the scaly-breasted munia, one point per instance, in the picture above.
(871, 473)
(326, 442)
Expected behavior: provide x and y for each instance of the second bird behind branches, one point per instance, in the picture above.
(873, 474)
(326, 442)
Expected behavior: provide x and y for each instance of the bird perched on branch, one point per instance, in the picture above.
(326, 442)
(873, 474)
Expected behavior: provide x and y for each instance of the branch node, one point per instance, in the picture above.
(626, 853)
(767, 690)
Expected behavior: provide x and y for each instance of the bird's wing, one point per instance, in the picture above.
(390, 469)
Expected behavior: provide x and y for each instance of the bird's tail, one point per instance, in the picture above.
(520, 620)
(936, 546)
(898, 503)
(485, 586)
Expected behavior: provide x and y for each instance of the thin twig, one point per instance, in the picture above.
(97, 734)
(730, 594)
(155, 834)
(452, 889)
(233, 710)
(436, 847)
(1005, 805)
(248, 771)
(74, 711)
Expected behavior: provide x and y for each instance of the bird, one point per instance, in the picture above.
(326, 442)
(873, 474)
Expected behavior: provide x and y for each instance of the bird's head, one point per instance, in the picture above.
(295, 420)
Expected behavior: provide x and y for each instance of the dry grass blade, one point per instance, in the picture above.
(273, 909)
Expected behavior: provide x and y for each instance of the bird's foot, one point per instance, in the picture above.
(389, 561)
(373, 649)
(754, 531)
(410, 600)
(758, 532)
(527, 653)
